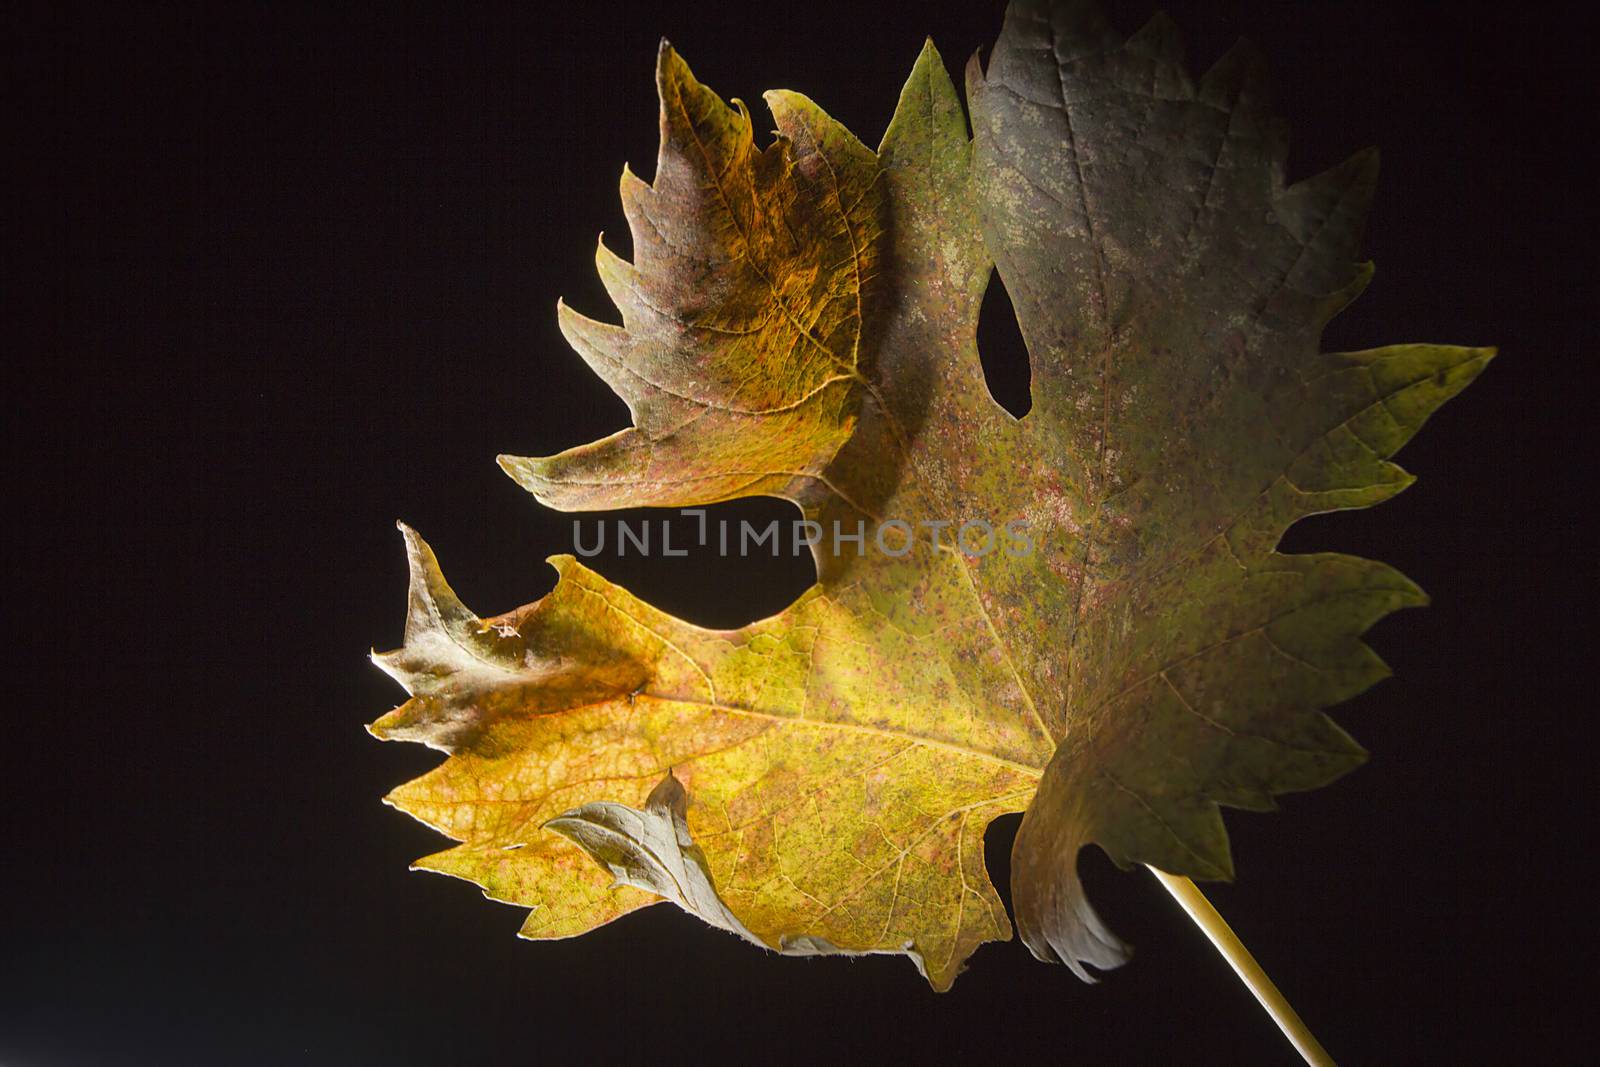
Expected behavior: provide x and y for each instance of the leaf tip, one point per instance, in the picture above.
(671, 70)
(382, 728)
(1159, 39)
(514, 466)
(974, 72)
(418, 553)
(413, 539)
(1240, 76)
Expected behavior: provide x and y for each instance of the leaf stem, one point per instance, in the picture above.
(1187, 894)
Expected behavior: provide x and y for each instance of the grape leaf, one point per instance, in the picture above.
(800, 321)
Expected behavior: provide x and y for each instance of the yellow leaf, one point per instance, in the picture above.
(799, 321)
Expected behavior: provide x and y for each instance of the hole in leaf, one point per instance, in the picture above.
(997, 841)
(1004, 355)
(746, 562)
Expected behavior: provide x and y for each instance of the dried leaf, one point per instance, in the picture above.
(799, 321)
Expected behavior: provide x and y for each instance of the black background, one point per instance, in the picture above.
(275, 276)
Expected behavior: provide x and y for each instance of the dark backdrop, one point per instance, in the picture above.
(277, 275)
